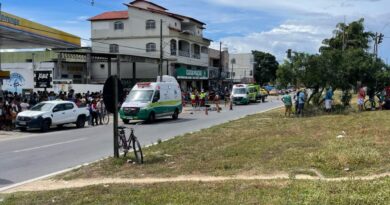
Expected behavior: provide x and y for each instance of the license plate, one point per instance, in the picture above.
(22, 123)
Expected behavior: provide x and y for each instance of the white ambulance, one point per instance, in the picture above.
(152, 100)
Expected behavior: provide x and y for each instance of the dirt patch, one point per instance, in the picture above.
(47, 185)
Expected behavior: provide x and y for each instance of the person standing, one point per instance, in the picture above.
(286, 99)
(329, 100)
(360, 98)
(24, 105)
(301, 102)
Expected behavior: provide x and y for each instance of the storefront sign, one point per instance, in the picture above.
(183, 73)
(43, 79)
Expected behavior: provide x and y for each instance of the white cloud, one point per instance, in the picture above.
(306, 23)
(299, 37)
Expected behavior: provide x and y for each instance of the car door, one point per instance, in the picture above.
(70, 113)
(59, 115)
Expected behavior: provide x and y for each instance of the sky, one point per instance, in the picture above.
(266, 25)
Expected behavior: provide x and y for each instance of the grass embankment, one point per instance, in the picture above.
(232, 192)
(265, 143)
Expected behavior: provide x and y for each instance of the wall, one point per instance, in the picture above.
(243, 66)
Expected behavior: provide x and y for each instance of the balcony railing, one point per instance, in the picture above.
(196, 55)
(184, 53)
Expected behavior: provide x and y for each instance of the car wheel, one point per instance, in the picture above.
(23, 129)
(80, 123)
(175, 115)
(151, 118)
(45, 126)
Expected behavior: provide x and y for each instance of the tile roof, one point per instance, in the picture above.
(112, 15)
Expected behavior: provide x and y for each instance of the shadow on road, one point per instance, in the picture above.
(5, 182)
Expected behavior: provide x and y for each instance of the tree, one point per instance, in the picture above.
(265, 67)
(343, 61)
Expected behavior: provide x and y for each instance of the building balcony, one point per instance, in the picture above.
(196, 55)
(184, 53)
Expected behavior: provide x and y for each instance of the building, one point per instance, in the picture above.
(136, 31)
(20, 33)
(215, 66)
(242, 68)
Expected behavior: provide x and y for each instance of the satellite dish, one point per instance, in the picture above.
(109, 92)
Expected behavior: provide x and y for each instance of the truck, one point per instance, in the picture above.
(149, 101)
(261, 93)
(52, 113)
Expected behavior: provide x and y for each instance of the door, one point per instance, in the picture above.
(59, 115)
(70, 113)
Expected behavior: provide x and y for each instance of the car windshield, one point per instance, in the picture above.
(140, 96)
(239, 91)
(42, 107)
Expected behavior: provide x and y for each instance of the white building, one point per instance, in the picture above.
(136, 31)
(242, 67)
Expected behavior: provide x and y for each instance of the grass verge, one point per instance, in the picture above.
(232, 192)
(265, 143)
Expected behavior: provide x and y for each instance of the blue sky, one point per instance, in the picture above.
(244, 25)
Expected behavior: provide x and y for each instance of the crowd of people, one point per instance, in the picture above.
(381, 103)
(13, 103)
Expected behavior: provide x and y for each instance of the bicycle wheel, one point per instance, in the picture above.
(139, 157)
(369, 105)
(106, 118)
(122, 144)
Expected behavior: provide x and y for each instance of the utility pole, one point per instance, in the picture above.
(1, 81)
(220, 63)
(161, 51)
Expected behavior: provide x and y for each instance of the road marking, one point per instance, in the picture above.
(49, 145)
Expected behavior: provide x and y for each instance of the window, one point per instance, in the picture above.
(118, 25)
(59, 108)
(156, 96)
(151, 47)
(114, 48)
(150, 24)
(69, 106)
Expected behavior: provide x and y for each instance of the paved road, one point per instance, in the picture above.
(27, 157)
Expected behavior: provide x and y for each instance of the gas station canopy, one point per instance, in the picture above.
(20, 33)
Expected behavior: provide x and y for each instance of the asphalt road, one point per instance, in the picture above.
(34, 155)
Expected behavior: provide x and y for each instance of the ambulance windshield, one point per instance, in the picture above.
(140, 96)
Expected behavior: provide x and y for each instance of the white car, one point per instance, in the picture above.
(52, 113)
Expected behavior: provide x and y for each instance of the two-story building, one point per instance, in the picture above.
(136, 31)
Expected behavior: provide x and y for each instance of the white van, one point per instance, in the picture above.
(240, 94)
(151, 100)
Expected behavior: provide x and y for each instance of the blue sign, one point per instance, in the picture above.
(16, 81)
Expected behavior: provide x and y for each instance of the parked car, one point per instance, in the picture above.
(274, 92)
(52, 113)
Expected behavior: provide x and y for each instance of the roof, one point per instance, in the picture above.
(156, 5)
(112, 15)
(173, 15)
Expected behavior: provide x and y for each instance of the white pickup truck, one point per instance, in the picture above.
(52, 113)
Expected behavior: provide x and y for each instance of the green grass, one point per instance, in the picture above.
(264, 144)
(232, 192)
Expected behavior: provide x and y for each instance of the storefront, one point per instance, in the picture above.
(191, 79)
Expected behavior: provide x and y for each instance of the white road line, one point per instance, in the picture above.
(49, 145)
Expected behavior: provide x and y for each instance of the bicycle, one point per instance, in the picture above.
(126, 144)
(105, 116)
